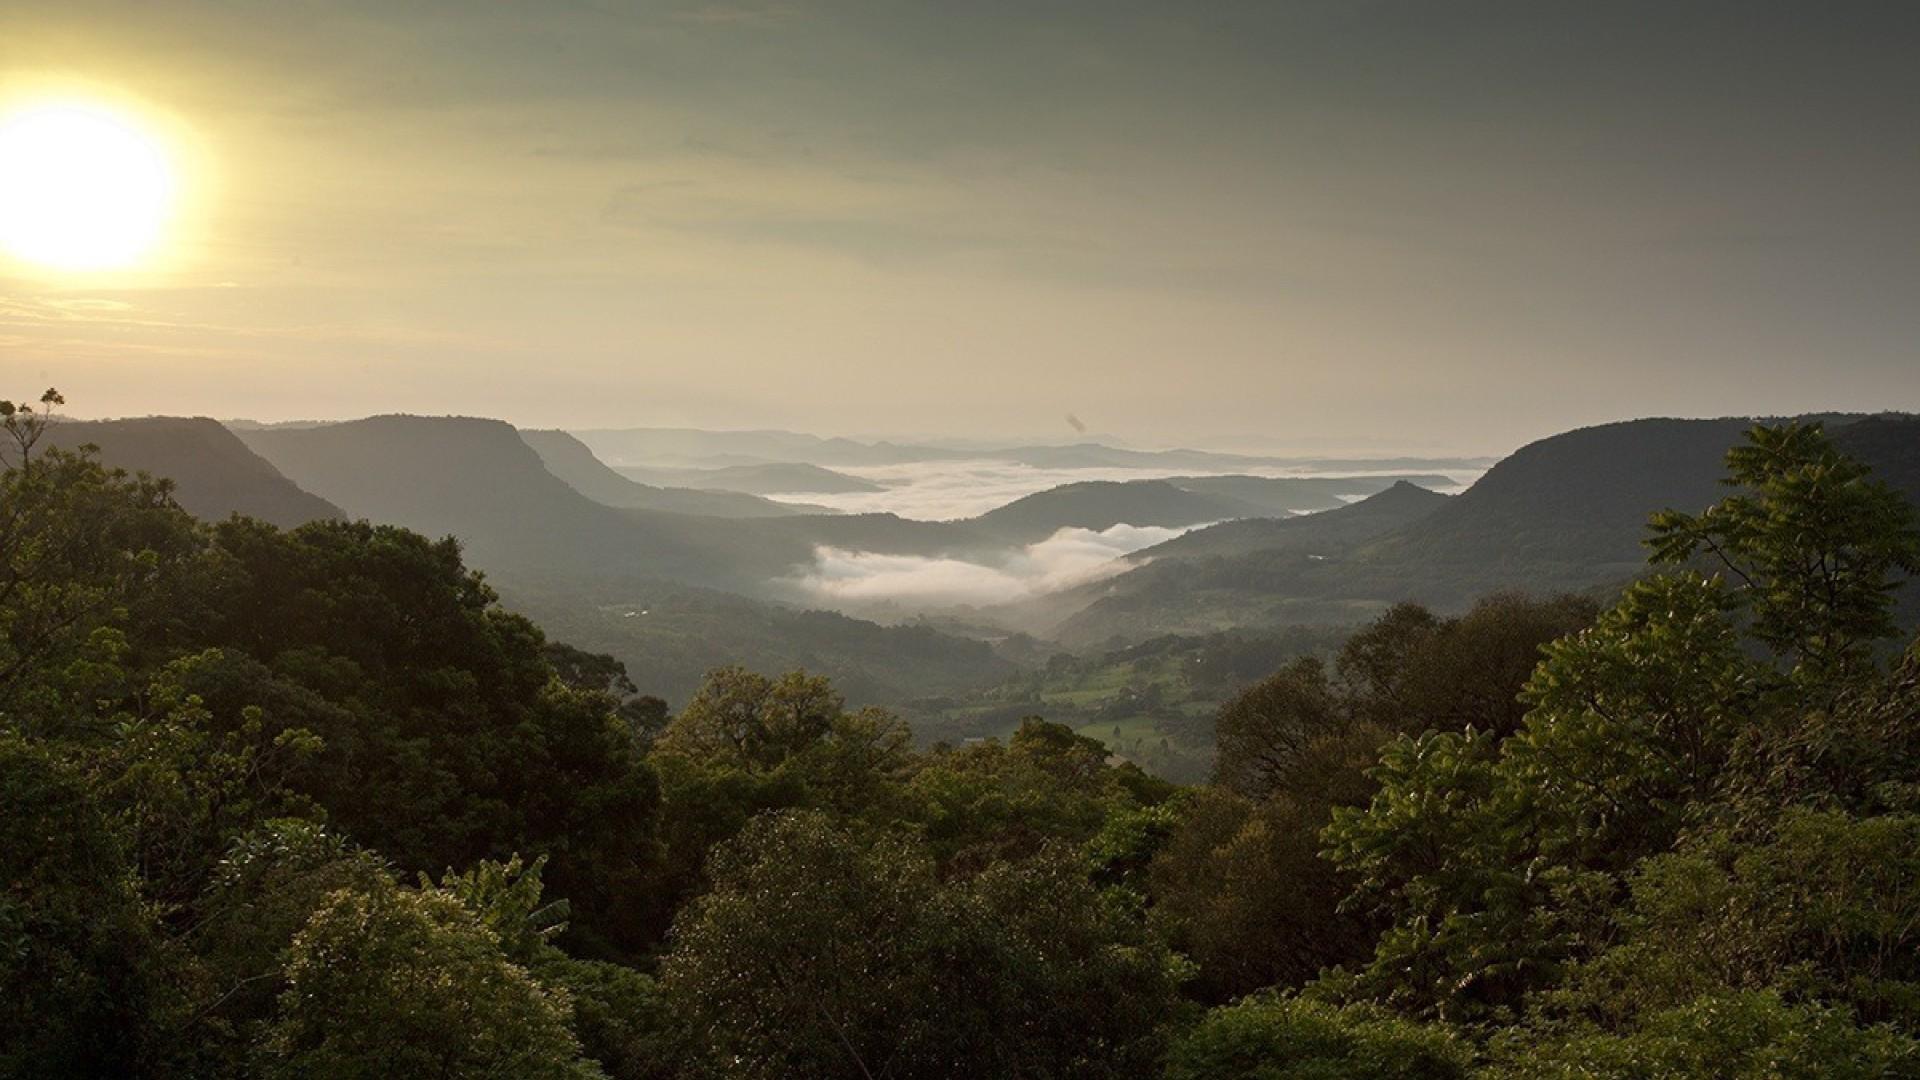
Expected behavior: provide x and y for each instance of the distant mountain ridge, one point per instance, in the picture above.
(691, 447)
(1269, 496)
(477, 479)
(1567, 512)
(773, 478)
(215, 474)
(579, 566)
(1399, 504)
(1199, 582)
(1177, 502)
(1102, 504)
(573, 462)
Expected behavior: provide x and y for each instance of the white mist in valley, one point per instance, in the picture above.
(1067, 558)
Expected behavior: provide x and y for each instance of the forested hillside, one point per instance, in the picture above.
(1563, 513)
(1236, 574)
(1177, 502)
(311, 803)
(214, 474)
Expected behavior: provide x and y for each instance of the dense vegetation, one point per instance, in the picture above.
(309, 803)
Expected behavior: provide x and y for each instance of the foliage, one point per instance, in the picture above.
(1826, 904)
(1271, 1037)
(992, 800)
(1499, 861)
(1752, 1035)
(1817, 546)
(1242, 887)
(825, 951)
(76, 954)
(1239, 887)
(399, 981)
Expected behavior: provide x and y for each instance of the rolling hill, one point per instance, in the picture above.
(1563, 513)
(694, 448)
(479, 480)
(1282, 496)
(1177, 502)
(1102, 504)
(670, 636)
(1197, 583)
(215, 475)
(578, 566)
(1324, 533)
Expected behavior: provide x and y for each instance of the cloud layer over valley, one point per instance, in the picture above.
(949, 490)
(1070, 557)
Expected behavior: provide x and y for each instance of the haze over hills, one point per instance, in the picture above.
(480, 481)
(1102, 504)
(1324, 533)
(1196, 583)
(1179, 502)
(688, 447)
(1087, 563)
(214, 473)
(569, 459)
(773, 478)
(1279, 496)
(577, 564)
(685, 447)
(520, 509)
(670, 636)
(1095, 455)
(1564, 513)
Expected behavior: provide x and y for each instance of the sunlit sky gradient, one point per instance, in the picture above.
(1340, 224)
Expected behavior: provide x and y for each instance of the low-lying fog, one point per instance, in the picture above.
(944, 490)
(877, 585)
(860, 579)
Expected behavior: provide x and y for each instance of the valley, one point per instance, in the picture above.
(1103, 600)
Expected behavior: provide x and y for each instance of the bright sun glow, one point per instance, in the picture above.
(82, 187)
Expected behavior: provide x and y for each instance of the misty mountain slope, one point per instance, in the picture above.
(215, 475)
(1176, 502)
(480, 481)
(1098, 456)
(1197, 583)
(1570, 511)
(1102, 504)
(579, 567)
(1326, 533)
(670, 636)
(1567, 512)
(691, 447)
(1280, 496)
(572, 461)
(776, 478)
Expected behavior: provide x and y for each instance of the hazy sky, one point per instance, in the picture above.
(1453, 225)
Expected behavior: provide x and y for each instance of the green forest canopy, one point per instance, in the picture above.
(309, 803)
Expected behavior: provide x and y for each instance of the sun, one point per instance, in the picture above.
(82, 187)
